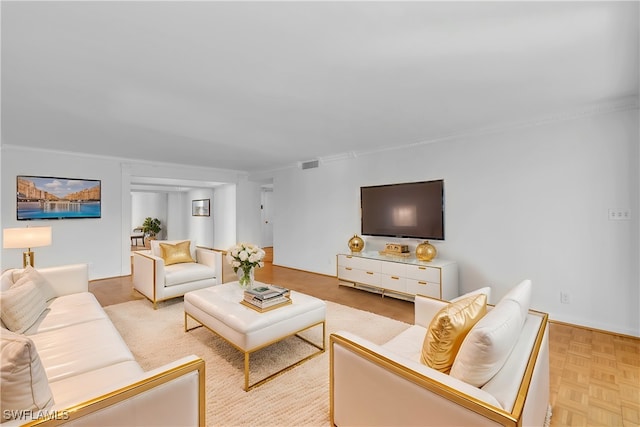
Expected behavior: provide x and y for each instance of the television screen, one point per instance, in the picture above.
(414, 210)
(41, 197)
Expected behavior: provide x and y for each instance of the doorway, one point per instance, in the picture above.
(266, 215)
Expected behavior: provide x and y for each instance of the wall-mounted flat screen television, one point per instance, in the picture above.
(414, 210)
(44, 197)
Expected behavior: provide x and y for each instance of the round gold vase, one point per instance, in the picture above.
(356, 244)
(425, 251)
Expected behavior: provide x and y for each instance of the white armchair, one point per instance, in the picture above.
(158, 281)
(380, 385)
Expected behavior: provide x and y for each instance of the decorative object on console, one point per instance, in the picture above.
(396, 249)
(31, 237)
(356, 244)
(244, 258)
(425, 251)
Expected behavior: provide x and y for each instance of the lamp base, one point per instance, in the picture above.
(27, 259)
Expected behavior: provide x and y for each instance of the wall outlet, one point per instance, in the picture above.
(619, 214)
(564, 298)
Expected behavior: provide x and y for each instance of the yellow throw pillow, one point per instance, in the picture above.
(448, 329)
(176, 254)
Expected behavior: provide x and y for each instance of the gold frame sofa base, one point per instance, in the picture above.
(481, 413)
(122, 395)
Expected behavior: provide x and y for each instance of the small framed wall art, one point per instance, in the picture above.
(200, 207)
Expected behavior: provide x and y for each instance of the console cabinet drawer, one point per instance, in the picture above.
(360, 276)
(359, 263)
(394, 283)
(420, 287)
(426, 274)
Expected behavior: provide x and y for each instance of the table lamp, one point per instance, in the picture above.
(30, 237)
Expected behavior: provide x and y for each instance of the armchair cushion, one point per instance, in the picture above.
(21, 306)
(448, 329)
(489, 343)
(176, 254)
(24, 382)
(178, 274)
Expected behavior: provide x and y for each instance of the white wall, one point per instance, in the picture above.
(178, 209)
(102, 243)
(91, 241)
(525, 203)
(201, 228)
(224, 217)
(248, 195)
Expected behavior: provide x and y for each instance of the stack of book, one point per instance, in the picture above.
(267, 296)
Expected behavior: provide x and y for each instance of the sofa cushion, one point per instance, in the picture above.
(21, 306)
(408, 343)
(68, 310)
(24, 382)
(489, 343)
(80, 348)
(178, 274)
(75, 389)
(176, 254)
(448, 329)
(30, 274)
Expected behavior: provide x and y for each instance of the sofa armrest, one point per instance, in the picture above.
(210, 258)
(148, 275)
(171, 395)
(363, 375)
(426, 309)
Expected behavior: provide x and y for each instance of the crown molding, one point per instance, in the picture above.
(626, 103)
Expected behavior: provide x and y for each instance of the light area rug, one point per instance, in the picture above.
(299, 397)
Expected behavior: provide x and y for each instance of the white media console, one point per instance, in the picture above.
(398, 276)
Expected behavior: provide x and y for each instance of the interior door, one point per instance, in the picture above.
(266, 214)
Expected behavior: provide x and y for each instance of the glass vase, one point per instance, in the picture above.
(245, 277)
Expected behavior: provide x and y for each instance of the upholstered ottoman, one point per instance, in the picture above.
(218, 308)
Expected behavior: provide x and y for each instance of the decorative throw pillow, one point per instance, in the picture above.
(24, 382)
(21, 306)
(488, 345)
(448, 329)
(175, 254)
(486, 290)
(30, 274)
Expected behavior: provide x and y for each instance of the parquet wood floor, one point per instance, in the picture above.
(594, 375)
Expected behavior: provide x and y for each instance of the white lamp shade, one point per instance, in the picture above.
(31, 237)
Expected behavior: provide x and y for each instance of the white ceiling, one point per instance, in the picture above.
(262, 85)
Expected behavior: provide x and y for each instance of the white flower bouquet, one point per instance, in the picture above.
(245, 257)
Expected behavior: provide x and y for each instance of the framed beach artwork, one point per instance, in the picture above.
(44, 197)
(200, 207)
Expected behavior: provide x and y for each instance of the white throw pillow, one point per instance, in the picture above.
(489, 343)
(30, 274)
(21, 306)
(24, 382)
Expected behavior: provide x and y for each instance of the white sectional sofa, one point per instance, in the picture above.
(382, 385)
(158, 281)
(72, 366)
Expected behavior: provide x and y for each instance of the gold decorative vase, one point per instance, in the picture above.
(356, 244)
(425, 251)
